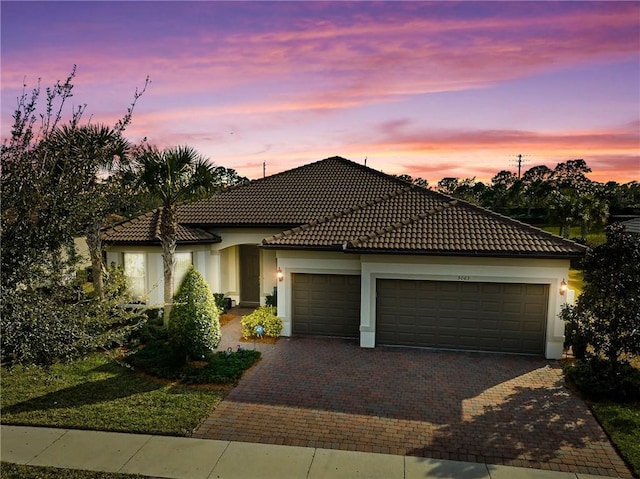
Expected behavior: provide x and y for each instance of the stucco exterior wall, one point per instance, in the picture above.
(373, 267)
(218, 263)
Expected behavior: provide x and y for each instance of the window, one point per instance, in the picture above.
(183, 262)
(135, 271)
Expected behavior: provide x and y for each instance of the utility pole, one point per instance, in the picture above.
(520, 160)
(264, 168)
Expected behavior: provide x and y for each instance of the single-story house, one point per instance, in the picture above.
(356, 253)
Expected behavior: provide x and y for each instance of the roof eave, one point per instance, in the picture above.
(476, 254)
(157, 242)
(335, 247)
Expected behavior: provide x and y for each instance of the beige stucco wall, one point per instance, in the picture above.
(218, 263)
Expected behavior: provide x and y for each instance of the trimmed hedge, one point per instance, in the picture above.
(194, 325)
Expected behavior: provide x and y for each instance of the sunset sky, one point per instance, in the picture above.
(428, 89)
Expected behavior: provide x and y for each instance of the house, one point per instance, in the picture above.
(356, 253)
(632, 226)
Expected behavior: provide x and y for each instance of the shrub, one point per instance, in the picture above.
(162, 360)
(272, 299)
(220, 302)
(264, 316)
(597, 379)
(61, 323)
(153, 328)
(605, 322)
(194, 326)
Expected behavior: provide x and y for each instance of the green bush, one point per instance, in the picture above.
(597, 379)
(264, 316)
(194, 326)
(41, 326)
(153, 328)
(272, 299)
(605, 321)
(162, 360)
(219, 300)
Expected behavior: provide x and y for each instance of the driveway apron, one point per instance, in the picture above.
(477, 407)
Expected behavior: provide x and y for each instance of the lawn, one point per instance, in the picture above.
(100, 393)
(18, 471)
(622, 423)
(594, 238)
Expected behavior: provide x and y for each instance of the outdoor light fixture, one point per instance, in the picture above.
(280, 275)
(563, 287)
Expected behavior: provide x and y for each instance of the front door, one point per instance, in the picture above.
(249, 275)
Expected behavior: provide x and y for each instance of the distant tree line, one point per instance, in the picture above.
(562, 196)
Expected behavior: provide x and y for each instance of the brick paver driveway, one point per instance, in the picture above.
(498, 409)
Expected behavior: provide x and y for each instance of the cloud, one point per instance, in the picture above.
(340, 61)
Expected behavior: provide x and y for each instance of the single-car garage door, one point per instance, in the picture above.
(326, 304)
(502, 317)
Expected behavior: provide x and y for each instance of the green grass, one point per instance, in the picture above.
(622, 423)
(98, 393)
(19, 471)
(594, 238)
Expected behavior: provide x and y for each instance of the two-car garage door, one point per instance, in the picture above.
(504, 317)
(501, 317)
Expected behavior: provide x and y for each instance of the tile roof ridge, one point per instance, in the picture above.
(413, 218)
(335, 215)
(274, 175)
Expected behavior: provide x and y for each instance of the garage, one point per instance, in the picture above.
(500, 317)
(326, 304)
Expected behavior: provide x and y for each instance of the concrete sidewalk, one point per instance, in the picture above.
(181, 457)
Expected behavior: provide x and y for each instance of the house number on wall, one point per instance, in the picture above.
(464, 278)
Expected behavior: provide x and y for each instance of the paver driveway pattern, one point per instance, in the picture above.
(497, 409)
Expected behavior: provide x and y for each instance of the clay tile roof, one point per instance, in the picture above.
(293, 197)
(144, 229)
(339, 204)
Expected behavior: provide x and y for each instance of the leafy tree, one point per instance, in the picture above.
(448, 185)
(194, 328)
(572, 174)
(606, 317)
(228, 177)
(173, 175)
(592, 211)
(505, 187)
(537, 186)
(421, 182)
(565, 204)
(47, 187)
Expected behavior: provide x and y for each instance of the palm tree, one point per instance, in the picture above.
(593, 211)
(93, 152)
(172, 176)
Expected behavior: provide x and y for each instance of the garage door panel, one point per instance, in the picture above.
(326, 305)
(462, 315)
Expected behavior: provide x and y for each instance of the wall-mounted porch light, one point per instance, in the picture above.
(280, 275)
(563, 287)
